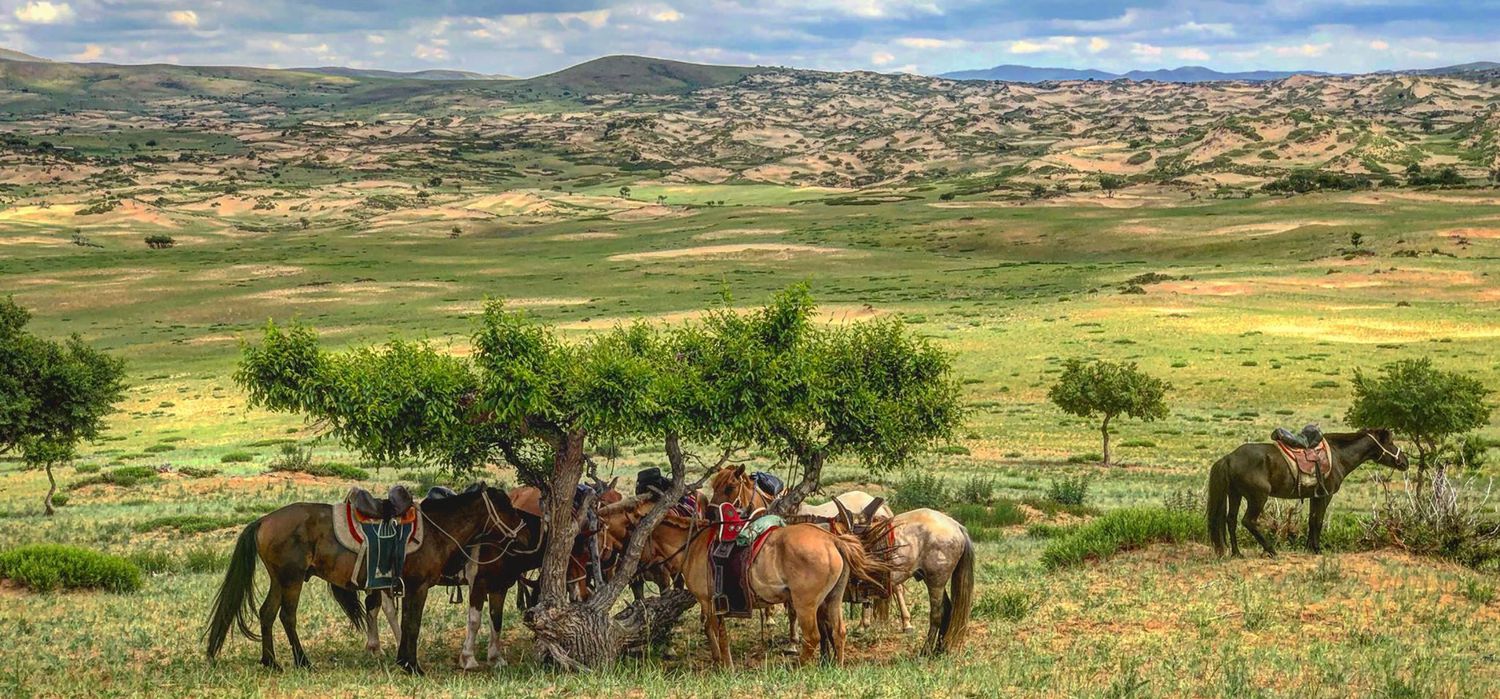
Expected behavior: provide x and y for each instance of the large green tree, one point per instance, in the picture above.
(1105, 390)
(53, 395)
(1425, 405)
(530, 399)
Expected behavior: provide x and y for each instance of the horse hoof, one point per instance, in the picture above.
(908, 629)
(411, 668)
(271, 665)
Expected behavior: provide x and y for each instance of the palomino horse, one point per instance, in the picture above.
(853, 503)
(799, 564)
(936, 549)
(1258, 471)
(297, 542)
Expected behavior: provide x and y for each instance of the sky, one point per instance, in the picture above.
(531, 37)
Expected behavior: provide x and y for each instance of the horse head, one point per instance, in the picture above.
(732, 485)
(1391, 455)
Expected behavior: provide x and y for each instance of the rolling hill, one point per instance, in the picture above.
(1184, 74)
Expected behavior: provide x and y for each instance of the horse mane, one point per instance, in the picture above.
(444, 505)
(627, 504)
(1344, 439)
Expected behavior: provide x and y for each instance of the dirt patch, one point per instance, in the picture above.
(779, 251)
(1479, 233)
(731, 233)
(1197, 288)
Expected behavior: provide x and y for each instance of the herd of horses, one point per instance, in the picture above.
(808, 565)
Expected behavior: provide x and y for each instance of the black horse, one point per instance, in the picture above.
(1257, 471)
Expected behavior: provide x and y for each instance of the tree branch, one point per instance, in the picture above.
(628, 564)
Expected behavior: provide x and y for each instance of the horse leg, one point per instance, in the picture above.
(807, 621)
(1234, 525)
(718, 637)
(791, 623)
(937, 613)
(1316, 517)
(905, 611)
(477, 597)
(497, 615)
(372, 622)
(412, 606)
(1255, 503)
(392, 616)
(268, 611)
(291, 593)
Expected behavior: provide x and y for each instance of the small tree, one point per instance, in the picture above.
(53, 395)
(1102, 389)
(1423, 404)
(625, 191)
(1110, 183)
(1356, 239)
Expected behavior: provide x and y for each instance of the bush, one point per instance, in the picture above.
(47, 567)
(159, 241)
(86, 468)
(189, 524)
(1440, 520)
(299, 460)
(918, 490)
(1070, 490)
(1092, 457)
(125, 477)
(1122, 530)
(1013, 604)
(59, 499)
(977, 490)
(198, 472)
(237, 457)
(1004, 514)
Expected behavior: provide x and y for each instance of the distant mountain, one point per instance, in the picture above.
(1028, 74)
(9, 55)
(398, 75)
(639, 74)
(1185, 74)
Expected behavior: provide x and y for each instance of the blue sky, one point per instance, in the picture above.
(529, 37)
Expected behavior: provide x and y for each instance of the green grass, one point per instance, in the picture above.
(1122, 530)
(49, 567)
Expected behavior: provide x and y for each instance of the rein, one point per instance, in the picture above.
(1396, 455)
(510, 533)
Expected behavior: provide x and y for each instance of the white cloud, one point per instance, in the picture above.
(1210, 29)
(594, 19)
(909, 68)
(1056, 43)
(1379, 45)
(1192, 54)
(183, 18)
(881, 58)
(922, 42)
(1098, 44)
(667, 15)
(1307, 50)
(375, 39)
(428, 52)
(44, 12)
(1145, 50)
(872, 9)
(90, 52)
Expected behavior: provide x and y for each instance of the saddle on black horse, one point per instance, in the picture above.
(382, 531)
(1307, 453)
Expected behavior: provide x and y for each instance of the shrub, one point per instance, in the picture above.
(86, 468)
(918, 490)
(59, 499)
(159, 241)
(1004, 514)
(978, 490)
(1441, 520)
(188, 524)
(1122, 530)
(159, 448)
(198, 472)
(299, 460)
(237, 457)
(124, 477)
(47, 567)
(1070, 490)
(1012, 604)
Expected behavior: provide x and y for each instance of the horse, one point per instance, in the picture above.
(666, 550)
(494, 573)
(1257, 471)
(800, 564)
(844, 506)
(937, 550)
(297, 542)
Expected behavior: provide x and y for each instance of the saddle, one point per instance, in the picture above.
(1312, 466)
(735, 544)
(383, 531)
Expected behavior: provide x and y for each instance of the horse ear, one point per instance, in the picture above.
(612, 483)
(500, 498)
(739, 470)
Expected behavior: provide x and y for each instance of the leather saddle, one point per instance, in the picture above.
(1311, 466)
(729, 562)
(397, 503)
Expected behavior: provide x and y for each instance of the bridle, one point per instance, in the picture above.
(1395, 456)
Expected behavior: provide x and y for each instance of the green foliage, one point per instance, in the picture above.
(53, 395)
(1010, 604)
(295, 459)
(124, 477)
(1421, 403)
(1108, 389)
(1004, 513)
(189, 524)
(1304, 181)
(48, 567)
(160, 241)
(1122, 530)
(977, 490)
(237, 457)
(198, 472)
(918, 490)
(1070, 490)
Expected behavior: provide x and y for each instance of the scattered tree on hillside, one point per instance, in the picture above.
(1424, 405)
(765, 379)
(1109, 183)
(624, 191)
(1102, 389)
(53, 395)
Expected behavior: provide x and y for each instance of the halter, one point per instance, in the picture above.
(1394, 455)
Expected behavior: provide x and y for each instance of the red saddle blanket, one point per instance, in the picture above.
(729, 565)
(1308, 461)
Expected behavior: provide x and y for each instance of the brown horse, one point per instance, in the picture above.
(736, 486)
(1258, 471)
(297, 542)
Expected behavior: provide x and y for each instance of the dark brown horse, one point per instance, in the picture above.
(1258, 471)
(297, 542)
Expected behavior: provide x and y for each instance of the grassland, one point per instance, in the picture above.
(1266, 313)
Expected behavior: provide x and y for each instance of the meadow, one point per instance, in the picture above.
(1257, 310)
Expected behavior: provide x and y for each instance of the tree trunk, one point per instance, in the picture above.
(1104, 430)
(580, 636)
(51, 490)
(812, 475)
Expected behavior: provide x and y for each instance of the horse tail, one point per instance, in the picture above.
(349, 602)
(961, 600)
(860, 563)
(1218, 504)
(235, 599)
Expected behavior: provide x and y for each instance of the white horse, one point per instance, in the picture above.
(936, 549)
(855, 501)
